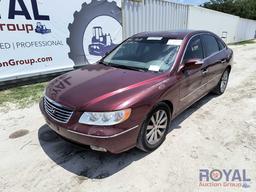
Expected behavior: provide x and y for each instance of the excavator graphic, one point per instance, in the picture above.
(40, 28)
(100, 43)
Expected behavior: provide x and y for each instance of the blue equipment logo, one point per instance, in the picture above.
(40, 28)
(100, 43)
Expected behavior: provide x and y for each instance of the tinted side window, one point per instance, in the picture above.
(194, 49)
(221, 44)
(210, 45)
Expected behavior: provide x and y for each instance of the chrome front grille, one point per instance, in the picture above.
(56, 111)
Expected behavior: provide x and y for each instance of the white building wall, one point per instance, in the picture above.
(222, 24)
(246, 29)
(153, 15)
(160, 15)
(231, 28)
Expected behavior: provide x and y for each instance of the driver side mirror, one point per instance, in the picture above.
(192, 64)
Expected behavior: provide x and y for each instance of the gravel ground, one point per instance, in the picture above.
(216, 132)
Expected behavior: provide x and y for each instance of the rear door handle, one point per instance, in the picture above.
(223, 61)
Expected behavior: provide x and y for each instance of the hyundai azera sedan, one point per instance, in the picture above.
(129, 98)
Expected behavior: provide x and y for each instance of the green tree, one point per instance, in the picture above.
(242, 8)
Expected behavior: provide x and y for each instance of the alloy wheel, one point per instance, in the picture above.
(156, 127)
(224, 81)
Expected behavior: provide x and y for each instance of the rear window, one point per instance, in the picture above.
(221, 44)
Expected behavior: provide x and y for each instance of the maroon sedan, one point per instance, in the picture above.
(130, 96)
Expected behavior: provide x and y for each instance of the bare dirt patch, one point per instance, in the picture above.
(19, 133)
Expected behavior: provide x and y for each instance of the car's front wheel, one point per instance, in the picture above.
(154, 128)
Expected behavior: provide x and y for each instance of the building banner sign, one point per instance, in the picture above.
(40, 37)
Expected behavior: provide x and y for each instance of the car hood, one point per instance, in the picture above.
(98, 87)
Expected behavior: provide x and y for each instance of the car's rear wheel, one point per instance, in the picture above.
(222, 85)
(154, 128)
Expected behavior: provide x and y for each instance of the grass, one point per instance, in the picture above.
(244, 42)
(22, 96)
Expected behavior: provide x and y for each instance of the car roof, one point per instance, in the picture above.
(175, 34)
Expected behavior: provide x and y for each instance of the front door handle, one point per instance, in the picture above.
(204, 71)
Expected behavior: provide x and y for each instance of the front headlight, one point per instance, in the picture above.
(105, 118)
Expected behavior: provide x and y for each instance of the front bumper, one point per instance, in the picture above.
(114, 142)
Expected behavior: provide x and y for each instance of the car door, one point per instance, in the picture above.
(215, 60)
(191, 84)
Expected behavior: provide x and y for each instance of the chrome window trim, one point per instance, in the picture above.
(103, 137)
(181, 61)
(198, 34)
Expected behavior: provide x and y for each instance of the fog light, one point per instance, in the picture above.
(95, 148)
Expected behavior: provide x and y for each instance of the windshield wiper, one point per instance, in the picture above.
(122, 66)
(103, 63)
(128, 67)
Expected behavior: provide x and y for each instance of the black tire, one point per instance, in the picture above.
(82, 20)
(218, 90)
(142, 142)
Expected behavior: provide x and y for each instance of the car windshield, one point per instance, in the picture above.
(145, 53)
